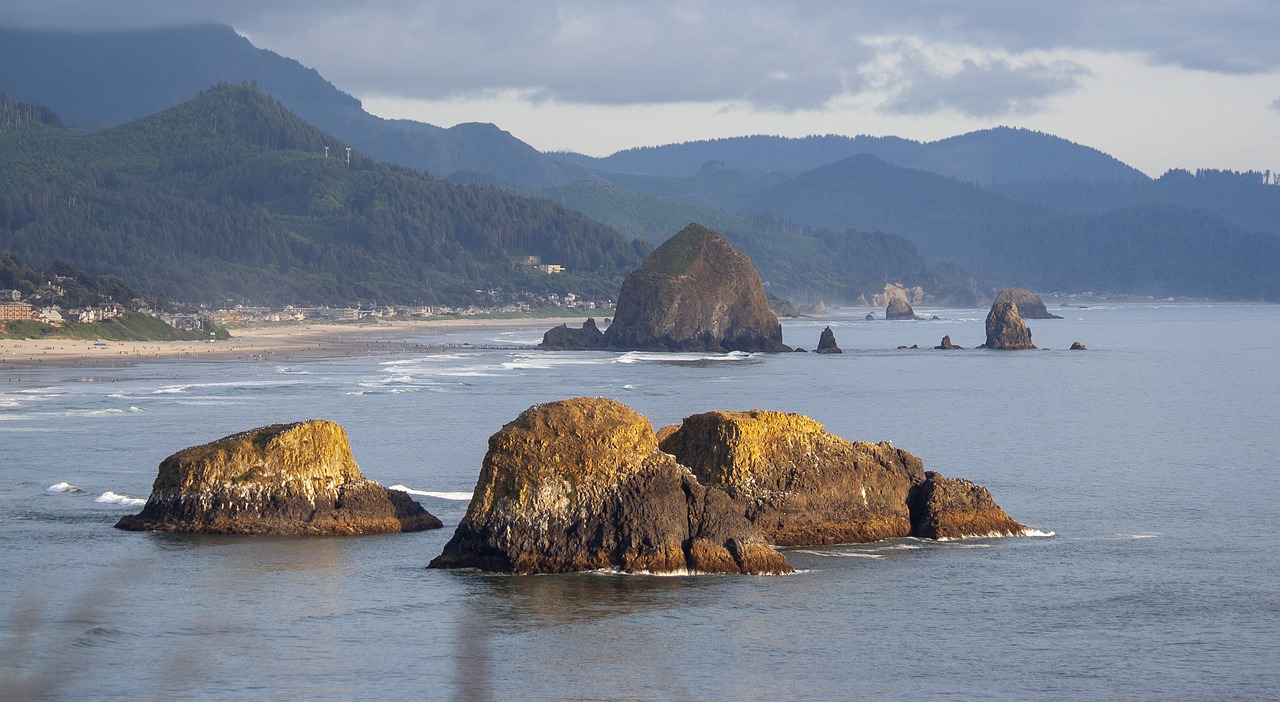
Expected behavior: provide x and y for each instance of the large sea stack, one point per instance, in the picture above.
(1030, 306)
(827, 342)
(281, 479)
(580, 485)
(695, 292)
(1005, 328)
(565, 338)
(804, 487)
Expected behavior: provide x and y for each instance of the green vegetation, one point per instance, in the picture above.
(132, 326)
(231, 197)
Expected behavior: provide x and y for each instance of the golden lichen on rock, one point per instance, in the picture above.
(580, 484)
(295, 478)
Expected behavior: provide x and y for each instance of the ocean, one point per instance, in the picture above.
(1148, 463)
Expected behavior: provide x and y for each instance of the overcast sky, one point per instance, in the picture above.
(1172, 84)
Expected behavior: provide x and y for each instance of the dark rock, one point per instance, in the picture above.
(899, 308)
(804, 487)
(799, 484)
(563, 338)
(1030, 306)
(580, 484)
(1077, 346)
(952, 508)
(1005, 328)
(695, 292)
(870, 316)
(827, 342)
(800, 349)
(279, 479)
(946, 344)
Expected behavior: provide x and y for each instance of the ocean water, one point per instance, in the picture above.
(1151, 459)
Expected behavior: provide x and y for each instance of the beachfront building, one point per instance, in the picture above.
(15, 311)
(10, 295)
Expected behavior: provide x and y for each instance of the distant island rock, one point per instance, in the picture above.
(1030, 306)
(289, 479)
(1077, 346)
(566, 338)
(899, 308)
(947, 345)
(803, 486)
(827, 342)
(580, 484)
(695, 292)
(1005, 328)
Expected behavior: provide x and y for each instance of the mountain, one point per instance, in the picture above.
(987, 157)
(1147, 248)
(105, 79)
(230, 195)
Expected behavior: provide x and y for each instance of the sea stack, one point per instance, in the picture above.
(1005, 328)
(563, 338)
(947, 345)
(899, 308)
(1030, 306)
(827, 342)
(290, 479)
(1077, 346)
(580, 484)
(805, 487)
(695, 292)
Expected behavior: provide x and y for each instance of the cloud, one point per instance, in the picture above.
(768, 54)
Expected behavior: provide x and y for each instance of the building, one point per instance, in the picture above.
(10, 295)
(15, 311)
(551, 268)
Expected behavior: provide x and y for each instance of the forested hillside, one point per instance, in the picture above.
(232, 196)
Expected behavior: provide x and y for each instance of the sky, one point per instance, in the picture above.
(1158, 84)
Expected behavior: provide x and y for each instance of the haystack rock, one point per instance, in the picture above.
(1005, 328)
(563, 338)
(695, 292)
(280, 479)
(899, 308)
(947, 345)
(827, 342)
(1030, 306)
(952, 508)
(803, 486)
(580, 485)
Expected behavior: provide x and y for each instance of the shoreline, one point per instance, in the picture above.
(265, 342)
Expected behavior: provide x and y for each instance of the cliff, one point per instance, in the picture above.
(580, 484)
(280, 479)
(1030, 306)
(695, 292)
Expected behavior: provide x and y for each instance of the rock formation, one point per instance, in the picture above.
(899, 308)
(799, 484)
(1030, 306)
(827, 342)
(803, 486)
(695, 292)
(1077, 346)
(580, 485)
(563, 338)
(947, 345)
(1005, 328)
(280, 479)
(951, 508)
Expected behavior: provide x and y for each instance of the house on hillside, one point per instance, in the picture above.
(10, 295)
(15, 311)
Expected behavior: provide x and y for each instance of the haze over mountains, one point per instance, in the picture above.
(824, 217)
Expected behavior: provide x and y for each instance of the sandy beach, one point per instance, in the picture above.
(253, 343)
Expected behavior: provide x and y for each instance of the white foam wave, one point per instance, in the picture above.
(63, 487)
(840, 554)
(179, 389)
(94, 413)
(667, 357)
(113, 498)
(1036, 533)
(135, 408)
(443, 495)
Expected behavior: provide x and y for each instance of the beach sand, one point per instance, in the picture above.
(253, 343)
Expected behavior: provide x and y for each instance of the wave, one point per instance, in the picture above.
(459, 496)
(63, 487)
(243, 384)
(839, 554)
(93, 413)
(670, 357)
(1035, 533)
(114, 498)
